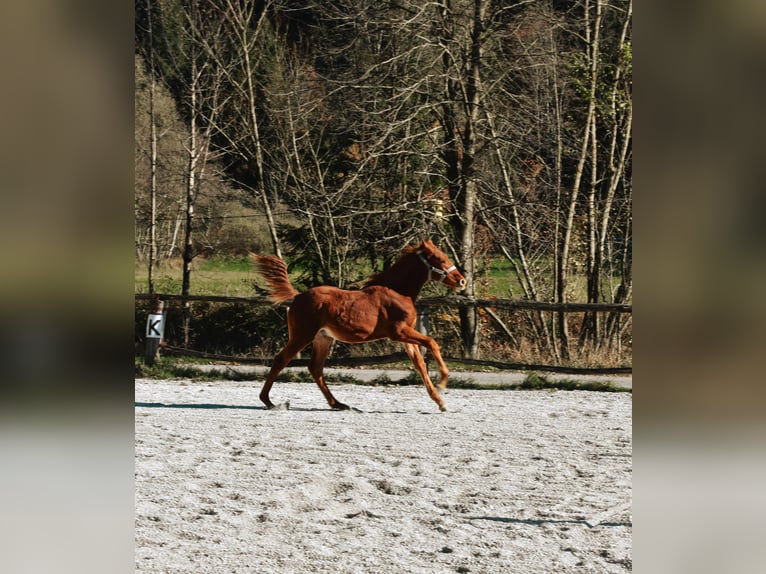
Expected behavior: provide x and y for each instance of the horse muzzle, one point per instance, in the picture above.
(457, 283)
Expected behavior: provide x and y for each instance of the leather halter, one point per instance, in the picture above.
(442, 273)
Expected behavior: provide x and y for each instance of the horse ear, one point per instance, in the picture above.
(425, 245)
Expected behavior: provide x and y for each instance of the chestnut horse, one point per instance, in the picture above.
(383, 308)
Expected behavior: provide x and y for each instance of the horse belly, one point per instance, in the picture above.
(353, 320)
(347, 335)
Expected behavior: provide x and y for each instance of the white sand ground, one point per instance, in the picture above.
(505, 481)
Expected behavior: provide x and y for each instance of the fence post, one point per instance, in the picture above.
(155, 326)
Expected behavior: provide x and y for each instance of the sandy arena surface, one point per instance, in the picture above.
(505, 481)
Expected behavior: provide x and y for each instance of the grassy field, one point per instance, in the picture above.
(234, 277)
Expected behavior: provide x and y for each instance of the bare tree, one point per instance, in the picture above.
(615, 115)
(238, 53)
(153, 157)
(355, 136)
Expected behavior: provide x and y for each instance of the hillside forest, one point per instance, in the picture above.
(334, 133)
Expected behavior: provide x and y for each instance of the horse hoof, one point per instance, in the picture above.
(340, 407)
(443, 408)
(280, 407)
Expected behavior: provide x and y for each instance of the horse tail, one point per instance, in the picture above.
(274, 271)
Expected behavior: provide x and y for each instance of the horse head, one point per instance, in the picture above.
(440, 268)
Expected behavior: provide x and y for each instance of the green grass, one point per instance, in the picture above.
(535, 382)
(226, 265)
(232, 277)
(498, 280)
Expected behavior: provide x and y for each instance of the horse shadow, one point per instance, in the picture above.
(218, 406)
(544, 521)
(204, 406)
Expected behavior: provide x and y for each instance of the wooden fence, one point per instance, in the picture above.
(453, 301)
(421, 304)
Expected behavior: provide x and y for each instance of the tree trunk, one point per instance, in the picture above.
(470, 315)
(255, 133)
(622, 124)
(589, 333)
(522, 270)
(153, 167)
(459, 155)
(562, 259)
(191, 188)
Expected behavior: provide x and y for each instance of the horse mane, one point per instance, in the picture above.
(385, 276)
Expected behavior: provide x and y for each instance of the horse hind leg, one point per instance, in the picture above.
(283, 358)
(320, 349)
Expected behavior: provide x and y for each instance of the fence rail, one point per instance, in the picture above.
(450, 301)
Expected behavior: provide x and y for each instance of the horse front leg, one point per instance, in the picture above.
(408, 334)
(413, 352)
(443, 370)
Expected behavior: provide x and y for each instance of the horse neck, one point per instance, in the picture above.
(407, 276)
